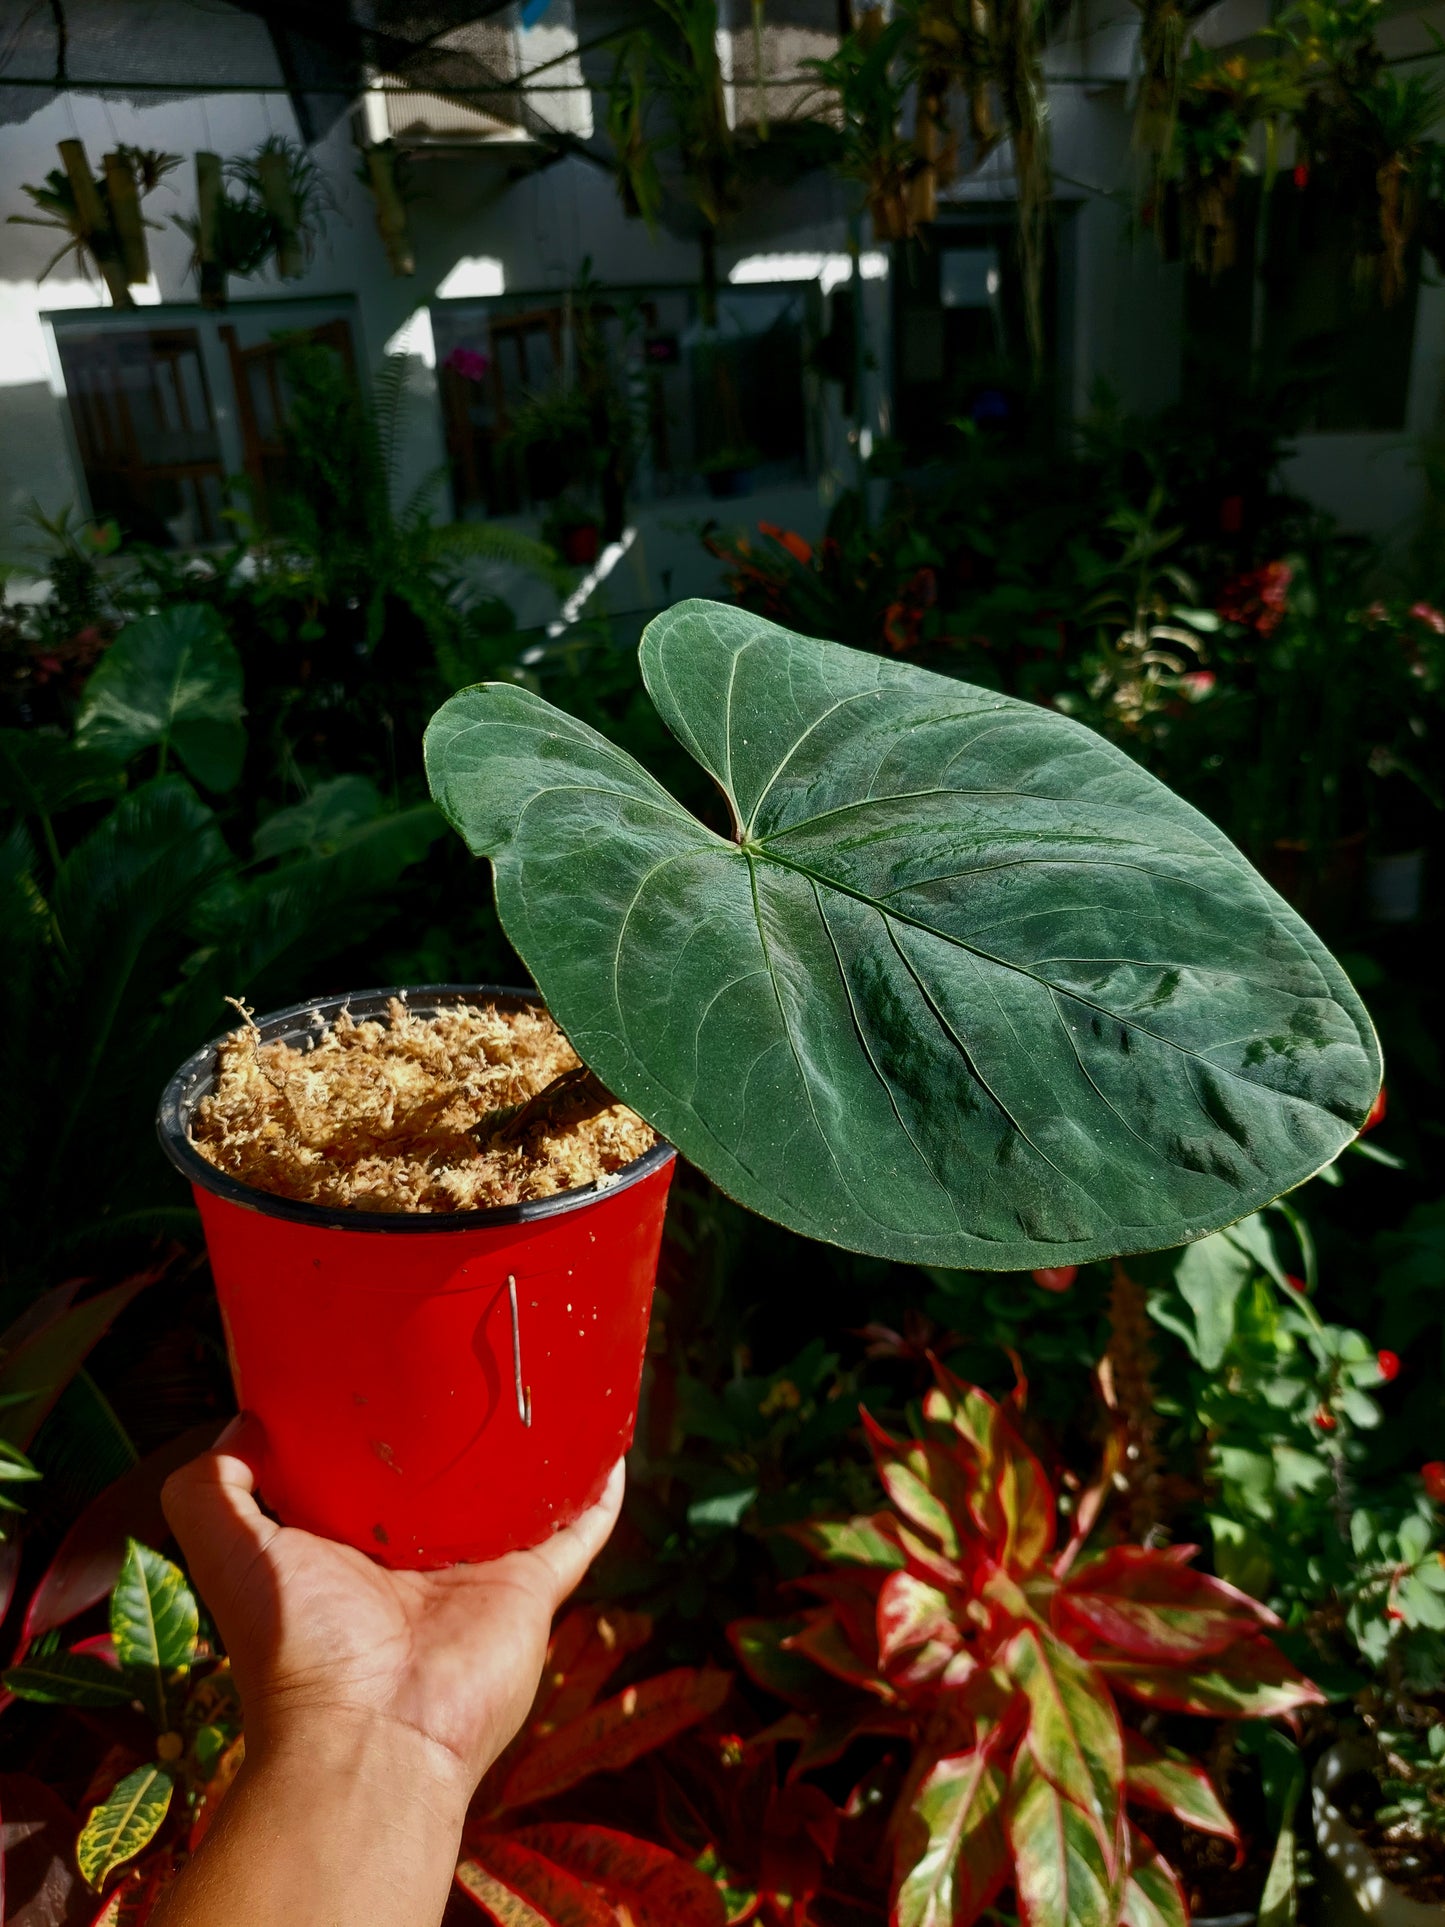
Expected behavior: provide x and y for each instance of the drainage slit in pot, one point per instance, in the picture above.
(524, 1392)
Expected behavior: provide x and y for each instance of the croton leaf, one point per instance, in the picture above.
(154, 1623)
(655, 1887)
(585, 1650)
(1179, 1787)
(1253, 1680)
(1155, 1609)
(952, 1852)
(966, 986)
(614, 1734)
(125, 1824)
(1074, 1733)
(70, 1679)
(520, 1887)
(1061, 1876)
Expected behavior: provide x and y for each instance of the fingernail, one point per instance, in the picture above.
(228, 1432)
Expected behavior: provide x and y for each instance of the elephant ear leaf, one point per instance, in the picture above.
(170, 682)
(965, 986)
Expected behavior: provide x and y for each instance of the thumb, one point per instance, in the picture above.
(210, 1505)
(568, 1553)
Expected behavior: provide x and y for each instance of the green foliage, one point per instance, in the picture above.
(170, 682)
(844, 965)
(154, 1624)
(124, 1823)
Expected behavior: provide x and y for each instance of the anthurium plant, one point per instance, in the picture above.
(959, 984)
(969, 1618)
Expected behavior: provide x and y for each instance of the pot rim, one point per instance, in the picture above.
(196, 1075)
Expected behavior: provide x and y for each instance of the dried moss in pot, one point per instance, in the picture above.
(473, 1106)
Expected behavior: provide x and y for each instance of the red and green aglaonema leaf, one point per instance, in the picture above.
(1010, 1500)
(608, 1737)
(1152, 1607)
(924, 1482)
(918, 1631)
(852, 1542)
(952, 1853)
(1252, 1681)
(1153, 1896)
(1180, 1787)
(1073, 1730)
(1062, 1876)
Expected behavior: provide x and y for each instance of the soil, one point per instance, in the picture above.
(379, 1116)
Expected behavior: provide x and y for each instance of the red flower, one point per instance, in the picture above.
(1393, 1612)
(1258, 599)
(1198, 683)
(1389, 1364)
(470, 363)
(800, 550)
(1431, 617)
(1056, 1277)
(1302, 175)
(1434, 1476)
(1376, 1113)
(1325, 1419)
(1296, 1284)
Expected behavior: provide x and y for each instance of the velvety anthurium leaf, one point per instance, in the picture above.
(965, 986)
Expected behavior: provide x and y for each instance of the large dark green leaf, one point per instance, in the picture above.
(170, 681)
(967, 987)
(41, 775)
(70, 1679)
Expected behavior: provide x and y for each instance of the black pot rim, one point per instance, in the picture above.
(196, 1074)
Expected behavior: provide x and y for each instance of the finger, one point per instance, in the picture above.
(568, 1553)
(211, 1507)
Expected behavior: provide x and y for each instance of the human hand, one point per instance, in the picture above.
(324, 1642)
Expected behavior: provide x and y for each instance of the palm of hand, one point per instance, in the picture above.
(453, 1655)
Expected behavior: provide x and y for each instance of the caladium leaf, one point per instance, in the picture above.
(520, 1887)
(1061, 1876)
(1252, 1681)
(614, 1734)
(1179, 1787)
(125, 1824)
(1155, 1609)
(966, 987)
(656, 1888)
(170, 681)
(1073, 1733)
(952, 1853)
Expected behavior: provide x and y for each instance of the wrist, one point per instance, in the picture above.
(357, 1756)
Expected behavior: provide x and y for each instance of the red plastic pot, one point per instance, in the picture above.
(432, 1387)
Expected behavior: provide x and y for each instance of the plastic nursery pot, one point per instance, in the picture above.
(432, 1387)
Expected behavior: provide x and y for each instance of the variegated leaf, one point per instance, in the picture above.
(1180, 1787)
(154, 1623)
(1061, 1875)
(654, 1887)
(125, 1824)
(952, 1853)
(1252, 1681)
(614, 1734)
(520, 1888)
(1074, 1733)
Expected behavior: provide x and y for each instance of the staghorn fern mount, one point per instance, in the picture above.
(964, 987)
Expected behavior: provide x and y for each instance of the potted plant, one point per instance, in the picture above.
(574, 528)
(729, 472)
(1379, 1817)
(965, 986)
(433, 1385)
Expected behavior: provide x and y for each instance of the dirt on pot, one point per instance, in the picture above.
(414, 1114)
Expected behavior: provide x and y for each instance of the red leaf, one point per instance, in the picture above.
(923, 1483)
(1253, 1680)
(1174, 1786)
(656, 1887)
(34, 1374)
(768, 1660)
(917, 1631)
(1060, 1875)
(40, 1883)
(1153, 1896)
(853, 1593)
(952, 1853)
(1010, 1499)
(824, 1640)
(614, 1734)
(88, 1559)
(586, 1649)
(1073, 1732)
(1153, 1608)
(519, 1887)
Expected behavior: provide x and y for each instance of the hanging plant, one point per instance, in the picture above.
(381, 173)
(1017, 47)
(1221, 103)
(101, 218)
(277, 215)
(955, 56)
(870, 77)
(1367, 129)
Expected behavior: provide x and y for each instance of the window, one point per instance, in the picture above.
(168, 412)
(146, 431)
(691, 406)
